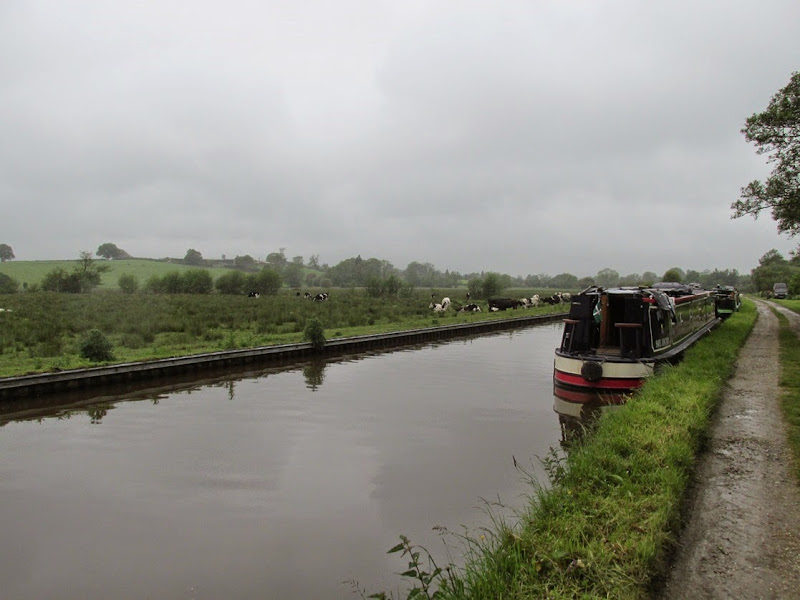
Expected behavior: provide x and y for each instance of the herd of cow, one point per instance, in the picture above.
(498, 304)
(495, 304)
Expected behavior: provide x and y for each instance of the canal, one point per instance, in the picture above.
(281, 483)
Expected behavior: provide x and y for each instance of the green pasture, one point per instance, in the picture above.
(33, 271)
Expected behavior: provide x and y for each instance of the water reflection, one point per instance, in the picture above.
(578, 411)
(314, 372)
(174, 490)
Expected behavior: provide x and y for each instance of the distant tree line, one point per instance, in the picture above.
(380, 278)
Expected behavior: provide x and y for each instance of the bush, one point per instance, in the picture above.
(267, 282)
(128, 283)
(197, 281)
(231, 283)
(96, 347)
(314, 332)
(8, 285)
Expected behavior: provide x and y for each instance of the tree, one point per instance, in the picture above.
(630, 279)
(277, 260)
(674, 275)
(607, 278)
(245, 262)
(772, 267)
(564, 281)
(776, 132)
(110, 251)
(293, 274)
(89, 271)
(649, 278)
(84, 277)
(6, 253)
(313, 262)
(489, 286)
(193, 257)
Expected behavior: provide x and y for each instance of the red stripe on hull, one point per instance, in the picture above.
(604, 383)
(588, 396)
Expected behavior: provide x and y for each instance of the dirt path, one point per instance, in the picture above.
(742, 539)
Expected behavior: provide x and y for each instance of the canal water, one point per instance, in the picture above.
(285, 484)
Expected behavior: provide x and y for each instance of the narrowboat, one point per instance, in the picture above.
(613, 339)
(726, 300)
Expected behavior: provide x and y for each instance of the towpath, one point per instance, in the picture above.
(742, 538)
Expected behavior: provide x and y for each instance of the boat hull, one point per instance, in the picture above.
(615, 376)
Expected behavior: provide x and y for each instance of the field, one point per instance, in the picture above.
(33, 271)
(43, 331)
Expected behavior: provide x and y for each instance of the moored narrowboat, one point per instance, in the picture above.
(726, 300)
(615, 338)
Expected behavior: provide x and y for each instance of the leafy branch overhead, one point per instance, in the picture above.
(776, 132)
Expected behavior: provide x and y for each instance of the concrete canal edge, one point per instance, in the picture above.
(75, 379)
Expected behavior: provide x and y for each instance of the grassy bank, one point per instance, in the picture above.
(43, 330)
(607, 525)
(790, 385)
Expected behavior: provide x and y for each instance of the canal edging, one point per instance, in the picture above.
(72, 379)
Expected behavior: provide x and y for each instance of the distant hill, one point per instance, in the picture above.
(33, 271)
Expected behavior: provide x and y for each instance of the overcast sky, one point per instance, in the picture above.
(514, 136)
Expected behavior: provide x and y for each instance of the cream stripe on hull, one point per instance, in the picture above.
(620, 370)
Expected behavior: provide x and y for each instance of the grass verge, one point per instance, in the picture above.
(790, 387)
(606, 526)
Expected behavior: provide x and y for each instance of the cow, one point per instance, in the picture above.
(470, 308)
(254, 295)
(437, 308)
(321, 297)
(496, 304)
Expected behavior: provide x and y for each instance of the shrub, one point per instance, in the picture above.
(314, 332)
(231, 283)
(128, 283)
(172, 283)
(8, 285)
(154, 285)
(266, 282)
(96, 347)
(197, 281)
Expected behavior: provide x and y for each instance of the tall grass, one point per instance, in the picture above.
(43, 330)
(790, 386)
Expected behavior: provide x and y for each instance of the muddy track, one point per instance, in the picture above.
(742, 536)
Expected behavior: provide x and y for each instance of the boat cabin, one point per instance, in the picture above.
(633, 322)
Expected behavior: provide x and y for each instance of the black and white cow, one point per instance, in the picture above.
(496, 304)
(470, 308)
(254, 295)
(320, 297)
